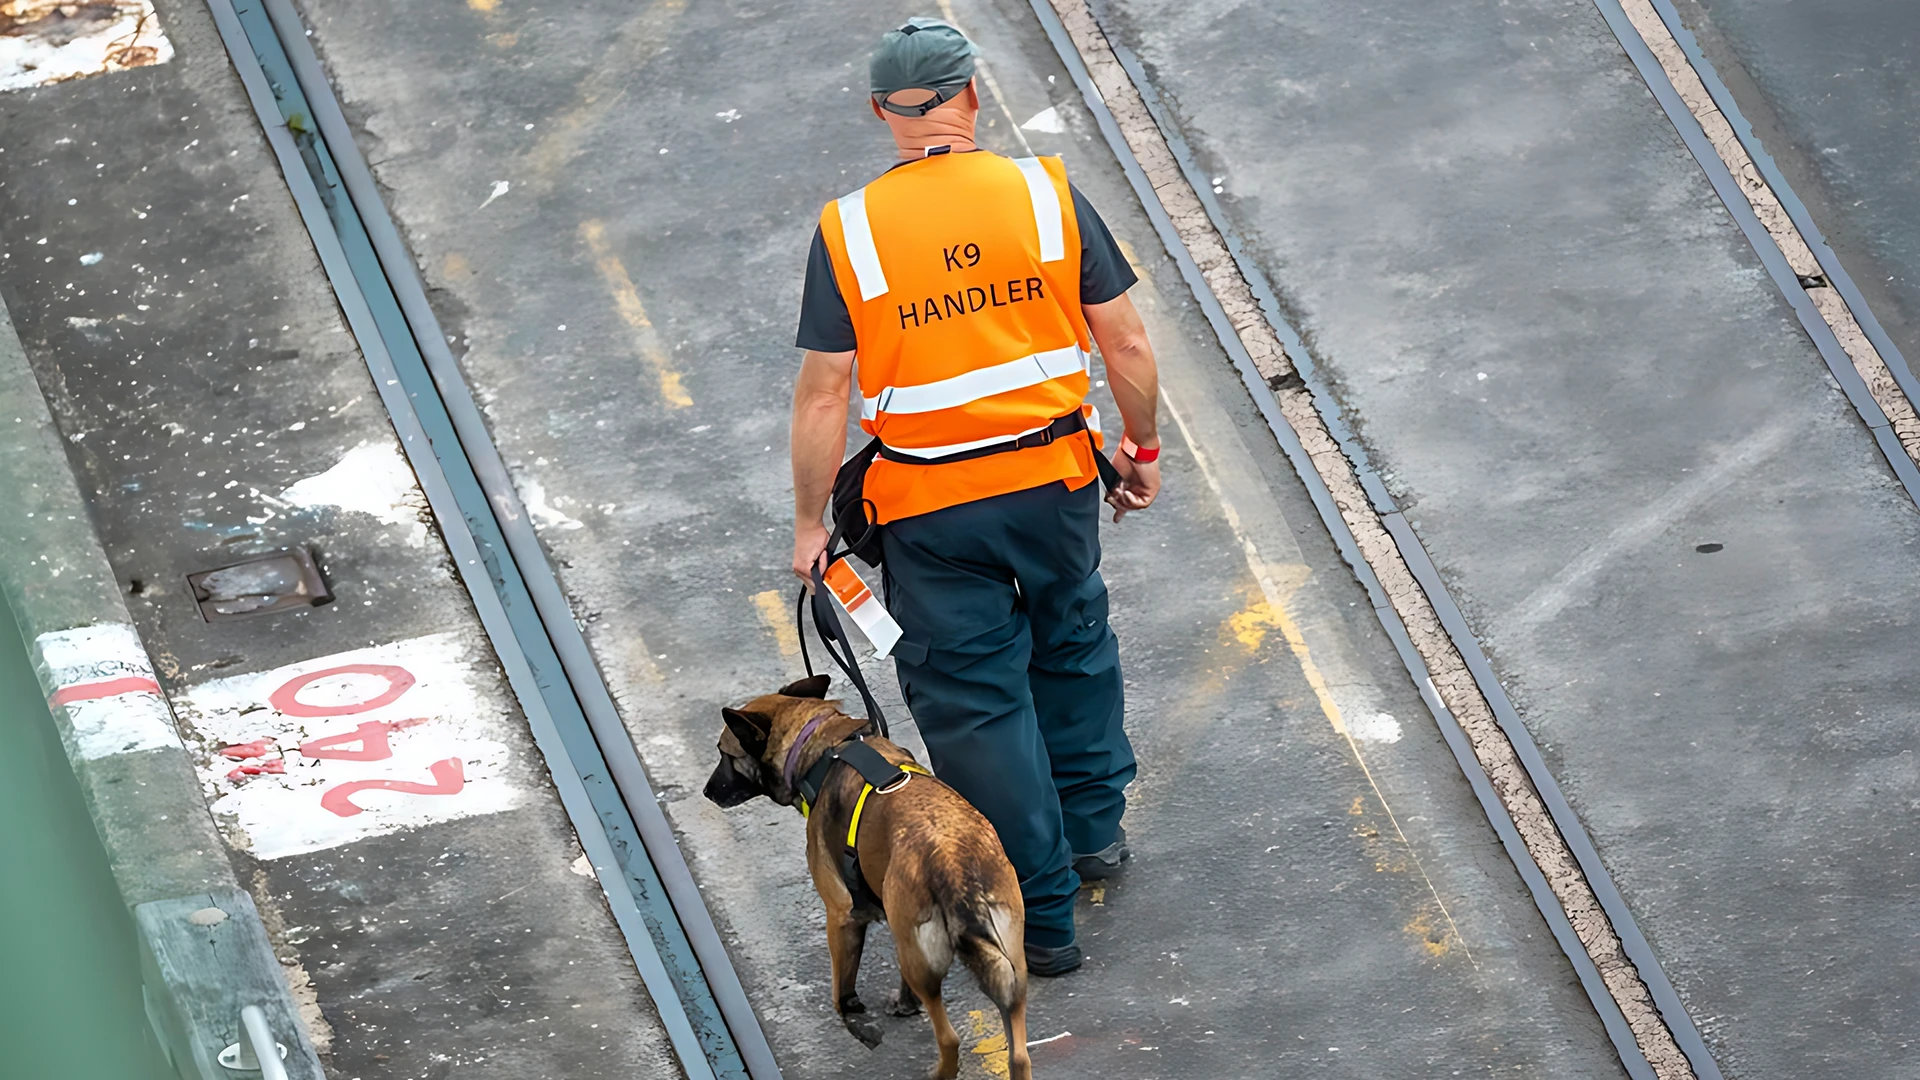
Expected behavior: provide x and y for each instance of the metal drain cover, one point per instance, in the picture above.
(260, 586)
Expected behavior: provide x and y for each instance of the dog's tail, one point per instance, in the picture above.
(988, 937)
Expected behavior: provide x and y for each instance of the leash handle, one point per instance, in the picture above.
(826, 622)
(1109, 476)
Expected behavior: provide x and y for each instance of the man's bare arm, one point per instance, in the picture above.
(819, 445)
(1135, 381)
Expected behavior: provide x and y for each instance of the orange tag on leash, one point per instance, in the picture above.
(862, 607)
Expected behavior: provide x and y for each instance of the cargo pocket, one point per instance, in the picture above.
(910, 650)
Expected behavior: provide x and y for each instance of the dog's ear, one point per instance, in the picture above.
(749, 728)
(813, 686)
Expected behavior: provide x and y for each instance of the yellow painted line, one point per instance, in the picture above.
(626, 299)
(601, 95)
(1277, 596)
(990, 1041)
(777, 613)
(1432, 939)
(483, 5)
(1249, 627)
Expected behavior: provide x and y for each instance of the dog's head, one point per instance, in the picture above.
(754, 734)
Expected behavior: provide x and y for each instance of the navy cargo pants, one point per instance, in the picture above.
(1013, 677)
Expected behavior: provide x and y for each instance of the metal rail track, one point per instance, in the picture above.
(1772, 258)
(601, 781)
(1666, 999)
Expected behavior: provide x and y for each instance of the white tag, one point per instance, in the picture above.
(864, 608)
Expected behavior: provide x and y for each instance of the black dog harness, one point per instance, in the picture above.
(877, 775)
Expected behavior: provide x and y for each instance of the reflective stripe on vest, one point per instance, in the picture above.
(865, 257)
(860, 250)
(976, 384)
(961, 277)
(1046, 210)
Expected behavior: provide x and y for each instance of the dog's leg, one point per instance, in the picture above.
(1019, 1064)
(902, 1001)
(846, 939)
(919, 977)
(943, 1035)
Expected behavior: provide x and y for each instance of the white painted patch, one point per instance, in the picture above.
(500, 187)
(1050, 1038)
(91, 258)
(1047, 121)
(367, 742)
(1648, 519)
(729, 116)
(104, 681)
(1373, 727)
(49, 41)
(374, 479)
(544, 513)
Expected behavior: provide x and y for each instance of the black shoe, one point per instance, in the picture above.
(1105, 863)
(1048, 962)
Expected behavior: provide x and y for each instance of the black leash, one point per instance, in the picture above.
(826, 622)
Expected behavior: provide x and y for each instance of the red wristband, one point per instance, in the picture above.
(1139, 455)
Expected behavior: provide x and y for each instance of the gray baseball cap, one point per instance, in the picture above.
(925, 54)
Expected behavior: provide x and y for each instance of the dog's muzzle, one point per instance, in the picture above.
(726, 787)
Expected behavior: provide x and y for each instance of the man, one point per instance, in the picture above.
(968, 286)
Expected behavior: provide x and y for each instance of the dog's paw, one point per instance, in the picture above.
(863, 1029)
(902, 1003)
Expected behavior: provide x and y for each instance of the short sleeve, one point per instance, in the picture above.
(1104, 270)
(825, 323)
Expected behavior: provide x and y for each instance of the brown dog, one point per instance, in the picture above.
(943, 883)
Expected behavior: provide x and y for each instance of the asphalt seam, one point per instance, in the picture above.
(1364, 508)
(1878, 363)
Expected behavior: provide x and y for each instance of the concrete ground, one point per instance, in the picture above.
(615, 233)
(1833, 91)
(1690, 563)
(1692, 567)
(177, 319)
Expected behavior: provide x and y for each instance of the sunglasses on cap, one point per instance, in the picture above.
(937, 96)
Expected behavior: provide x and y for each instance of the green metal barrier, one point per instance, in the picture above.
(204, 951)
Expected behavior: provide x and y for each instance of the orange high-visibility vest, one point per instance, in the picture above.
(962, 274)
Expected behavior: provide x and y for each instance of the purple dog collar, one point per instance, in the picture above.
(799, 744)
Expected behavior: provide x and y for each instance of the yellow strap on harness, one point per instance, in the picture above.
(853, 826)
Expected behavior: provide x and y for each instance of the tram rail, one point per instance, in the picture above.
(601, 780)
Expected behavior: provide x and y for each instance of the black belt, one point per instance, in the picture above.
(1070, 424)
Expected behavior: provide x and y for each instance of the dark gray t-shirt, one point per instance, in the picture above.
(826, 326)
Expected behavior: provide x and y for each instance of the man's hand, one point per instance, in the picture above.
(1135, 380)
(1138, 485)
(809, 550)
